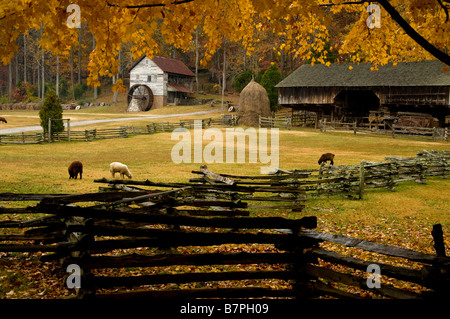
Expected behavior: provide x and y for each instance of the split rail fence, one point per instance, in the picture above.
(349, 180)
(430, 134)
(186, 249)
(201, 239)
(121, 132)
(270, 122)
(23, 138)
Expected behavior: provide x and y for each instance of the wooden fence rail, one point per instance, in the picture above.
(325, 125)
(430, 134)
(271, 122)
(121, 132)
(200, 240)
(349, 180)
(290, 189)
(222, 257)
(30, 138)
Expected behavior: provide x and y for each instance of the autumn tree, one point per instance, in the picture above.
(409, 29)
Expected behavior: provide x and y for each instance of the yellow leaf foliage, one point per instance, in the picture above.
(301, 26)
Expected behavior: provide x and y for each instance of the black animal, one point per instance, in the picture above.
(2, 119)
(327, 157)
(74, 169)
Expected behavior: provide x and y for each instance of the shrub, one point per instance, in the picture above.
(79, 90)
(63, 87)
(18, 94)
(241, 80)
(271, 77)
(51, 109)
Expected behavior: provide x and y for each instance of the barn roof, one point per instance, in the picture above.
(423, 73)
(168, 65)
(179, 87)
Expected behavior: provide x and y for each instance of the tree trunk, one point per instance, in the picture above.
(16, 62)
(24, 58)
(95, 88)
(43, 65)
(115, 92)
(196, 58)
(10, 78)
(224, 82)
(39, 79)
(116, 78)
(79, 55)
(71, 70)
(57, 75)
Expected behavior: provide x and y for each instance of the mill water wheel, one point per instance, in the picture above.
(140, 98)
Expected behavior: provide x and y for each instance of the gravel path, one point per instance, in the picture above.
(87, 122)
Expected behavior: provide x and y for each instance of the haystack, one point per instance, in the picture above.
(253, 102)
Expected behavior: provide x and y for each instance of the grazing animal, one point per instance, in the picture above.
(122, 169)
(327, 157)
(2, 119)
(75, 168)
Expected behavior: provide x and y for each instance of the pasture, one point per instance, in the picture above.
(403, 218)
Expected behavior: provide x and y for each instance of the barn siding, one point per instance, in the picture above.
(145, 68)
(314, 95)
(387, 95)
(431, 95)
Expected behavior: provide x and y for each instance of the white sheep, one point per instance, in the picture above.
(122, 169)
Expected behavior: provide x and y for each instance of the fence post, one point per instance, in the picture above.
(362, 174)
(438, 237)
(423, 167)
(123, 132)
(68, 130)
(49, 130)
(354, 128)
(393, 131)
(81, 237)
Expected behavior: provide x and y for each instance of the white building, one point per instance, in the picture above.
(169, 80)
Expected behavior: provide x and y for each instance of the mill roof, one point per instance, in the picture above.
(422, 73)
(168, 65)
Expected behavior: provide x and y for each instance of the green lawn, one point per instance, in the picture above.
(403, 218)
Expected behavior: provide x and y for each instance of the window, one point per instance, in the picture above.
(149, 78)
(137, 76)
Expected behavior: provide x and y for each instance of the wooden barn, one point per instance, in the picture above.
(350, 92)
(157, 82)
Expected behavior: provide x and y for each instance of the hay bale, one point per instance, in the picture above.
(253, 102)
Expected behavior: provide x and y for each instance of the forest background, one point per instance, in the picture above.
(219, 40)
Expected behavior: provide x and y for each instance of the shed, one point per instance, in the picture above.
(347, 91)
(165, 81)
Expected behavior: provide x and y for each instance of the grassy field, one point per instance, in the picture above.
(403, 218)
(21, 118)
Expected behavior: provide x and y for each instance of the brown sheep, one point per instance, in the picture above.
(74, 169)
(2, 119)
(327, 157)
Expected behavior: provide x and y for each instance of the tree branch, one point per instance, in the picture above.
(151, 5)
(445, 9)
(347, 2)
(413, 34)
